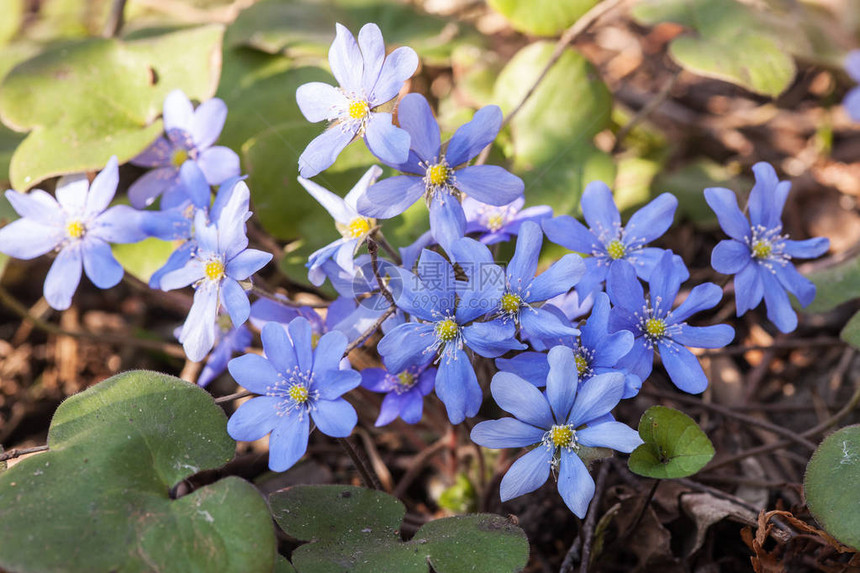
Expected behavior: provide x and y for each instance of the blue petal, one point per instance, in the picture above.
(247, 263)
(322, 152)
(301, 336)
(335, 418)
(522, 399)
(27, 239)
(526, 474)
(483, 294)
(177, 260)
(390, 197)
(530, 366)
(468, 141)
(390, 408)
(156, 155)
(779, 309)
(447, 220)
(473, 256)
(666, 281)
(489, 184)
(406, 345)
(398, 67)
(795, 283)
(574, 483)
(457, 387)
(278, 348)
(596, 397)
(852, 65)
(151, 184)
(808, 249)
(329, 351)
(63, 277)
(571, 234)
(523, 266)
(373, 379)
(767, 197)
(415, 116)
(190, 273)
(724, 204)
(208, 121)
(640, 360)
(506, 433)
(599, 210)
(199, 331)
(254, 372)
(437, 286)
(715, 336)
(561, 381)
(235, 300)
(289, 441)
(345, 60)
(683, 368)
(749, 288)
(385, 140)
(254, 419)
(195, 185)
(542, 324)
(36, 205)
(558, 279)
(702, 297)
(411, 407)
(730, 257)
(219, 164)
(121, 224)
(644, 261)
(623, 287)
(178, 111)
(335, 383)
(103, 188)
(318, 101)
(99, 263)
(491, 339)
(852, 103)
(652, 220)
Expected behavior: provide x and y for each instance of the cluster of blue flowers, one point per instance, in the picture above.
(568, 343)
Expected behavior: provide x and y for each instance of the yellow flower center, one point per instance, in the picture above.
(655, 327)
(510, 303)
(178, 158)
(75, 229)
(495, 222)
(761, 249)
(616, 249)
(405, 379)
(298, 393)
(358, 228)
(447, 330)
(561, 436)
(214, 270)
(437, 174)
(581, 364)
(358, 109)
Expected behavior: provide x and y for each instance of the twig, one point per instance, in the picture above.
(231, 397)
(373, 249)
(115, 339)
(380, 238)
(417, 465)
(12, 454)
(370, 330)
(369, 478)
(729, 413)
(642, 509)
(115, 20)
(284, 301)
(379, 467)
(645, 111)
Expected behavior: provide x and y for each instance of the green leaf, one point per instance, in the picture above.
(460, 497)
(835, 285)
(112, 91)
(750, 56)
(13, 16)
(851, 332)
(674, 445)
(99, 499)
(832, 485)
(542, 17)
(355, 529)
(552, 134)
(142, 259)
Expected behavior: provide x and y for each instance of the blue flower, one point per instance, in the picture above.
(606, 240)
(439, 176)
(655, 324)
(404, 392)
(215, 268)
(368, 78)
(189, 135)
(596, 351)
(852, 98)
(559, 423)
(296, 383)
(758, 254)
(79, 225)
(447, 330)
(353, 228)
(523, 290)
(228, 339)
(497, 224)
